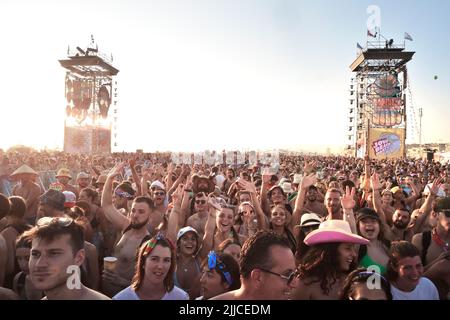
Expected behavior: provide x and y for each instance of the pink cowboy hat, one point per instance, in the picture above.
(331, 231)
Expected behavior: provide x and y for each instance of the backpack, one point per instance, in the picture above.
(426, 241)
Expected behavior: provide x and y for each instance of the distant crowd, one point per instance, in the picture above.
(142, 226)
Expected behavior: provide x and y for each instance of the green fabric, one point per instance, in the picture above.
(367, 261)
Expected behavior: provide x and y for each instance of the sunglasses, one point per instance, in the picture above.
(61, 221)
(200, 201)
(289, 278)
(446, 213)
(159, 193)
(214, 261)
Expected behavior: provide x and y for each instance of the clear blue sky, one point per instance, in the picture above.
(186, 67)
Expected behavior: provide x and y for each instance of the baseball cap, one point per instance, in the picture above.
(71, 198)
(185, 230)
(443, 204)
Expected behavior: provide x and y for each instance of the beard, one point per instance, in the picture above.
(312, 198)
(400, 225)
(138, 225)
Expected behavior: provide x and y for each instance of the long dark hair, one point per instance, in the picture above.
(321, 264)
(144, 251)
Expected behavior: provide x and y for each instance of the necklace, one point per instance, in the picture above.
(439, 241)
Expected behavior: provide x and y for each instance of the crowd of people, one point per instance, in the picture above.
(136, 226)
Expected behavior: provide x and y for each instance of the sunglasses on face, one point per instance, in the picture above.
(289, 278)
(200, 201)
(213, 261)
(446, 213)
(159, 193)
(61, 221)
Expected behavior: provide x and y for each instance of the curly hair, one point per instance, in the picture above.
(321, 264)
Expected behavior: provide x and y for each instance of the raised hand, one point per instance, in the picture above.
(309, 180)
(348, 199)
(436, 185)
(246, 185)
(116, 170)
(177, 196)
(212, 201)
(309, 167)
(375, 182)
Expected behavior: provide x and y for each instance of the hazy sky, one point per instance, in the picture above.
(215, 74)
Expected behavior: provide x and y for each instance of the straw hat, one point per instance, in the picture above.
(64, 173)
(24, 169)
(332, 231)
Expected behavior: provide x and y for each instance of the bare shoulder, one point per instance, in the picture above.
(94, 295)
(230, 295)
(7, 294)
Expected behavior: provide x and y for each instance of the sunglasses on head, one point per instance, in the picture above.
(123, 194)
(61, 221)
(200, 201)
(214, 261)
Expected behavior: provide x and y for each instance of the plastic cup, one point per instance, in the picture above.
(109, 263)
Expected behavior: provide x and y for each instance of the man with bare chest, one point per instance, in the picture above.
(198, 220)
(134, 228)
(433, 243)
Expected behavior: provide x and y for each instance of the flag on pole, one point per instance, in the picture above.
(370, 34)
(408, 36)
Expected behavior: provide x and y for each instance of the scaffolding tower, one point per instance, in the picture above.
(377, 118)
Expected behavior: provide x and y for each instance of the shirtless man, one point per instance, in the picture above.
(332, 203)
(28, 190)
(438, 272)
(134, 228)
(267, 267)
(440, 235)
(158, 194)
(57, 250)
(312, 204)
(198, 220)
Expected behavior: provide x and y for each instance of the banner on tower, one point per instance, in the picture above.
(386, 143)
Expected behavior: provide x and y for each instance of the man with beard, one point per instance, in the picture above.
(198, 220)
(158, 194)
(405, 273)
(134, 227)
(332, 203)
(267, 268)
(57, 253)
(312, 205)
